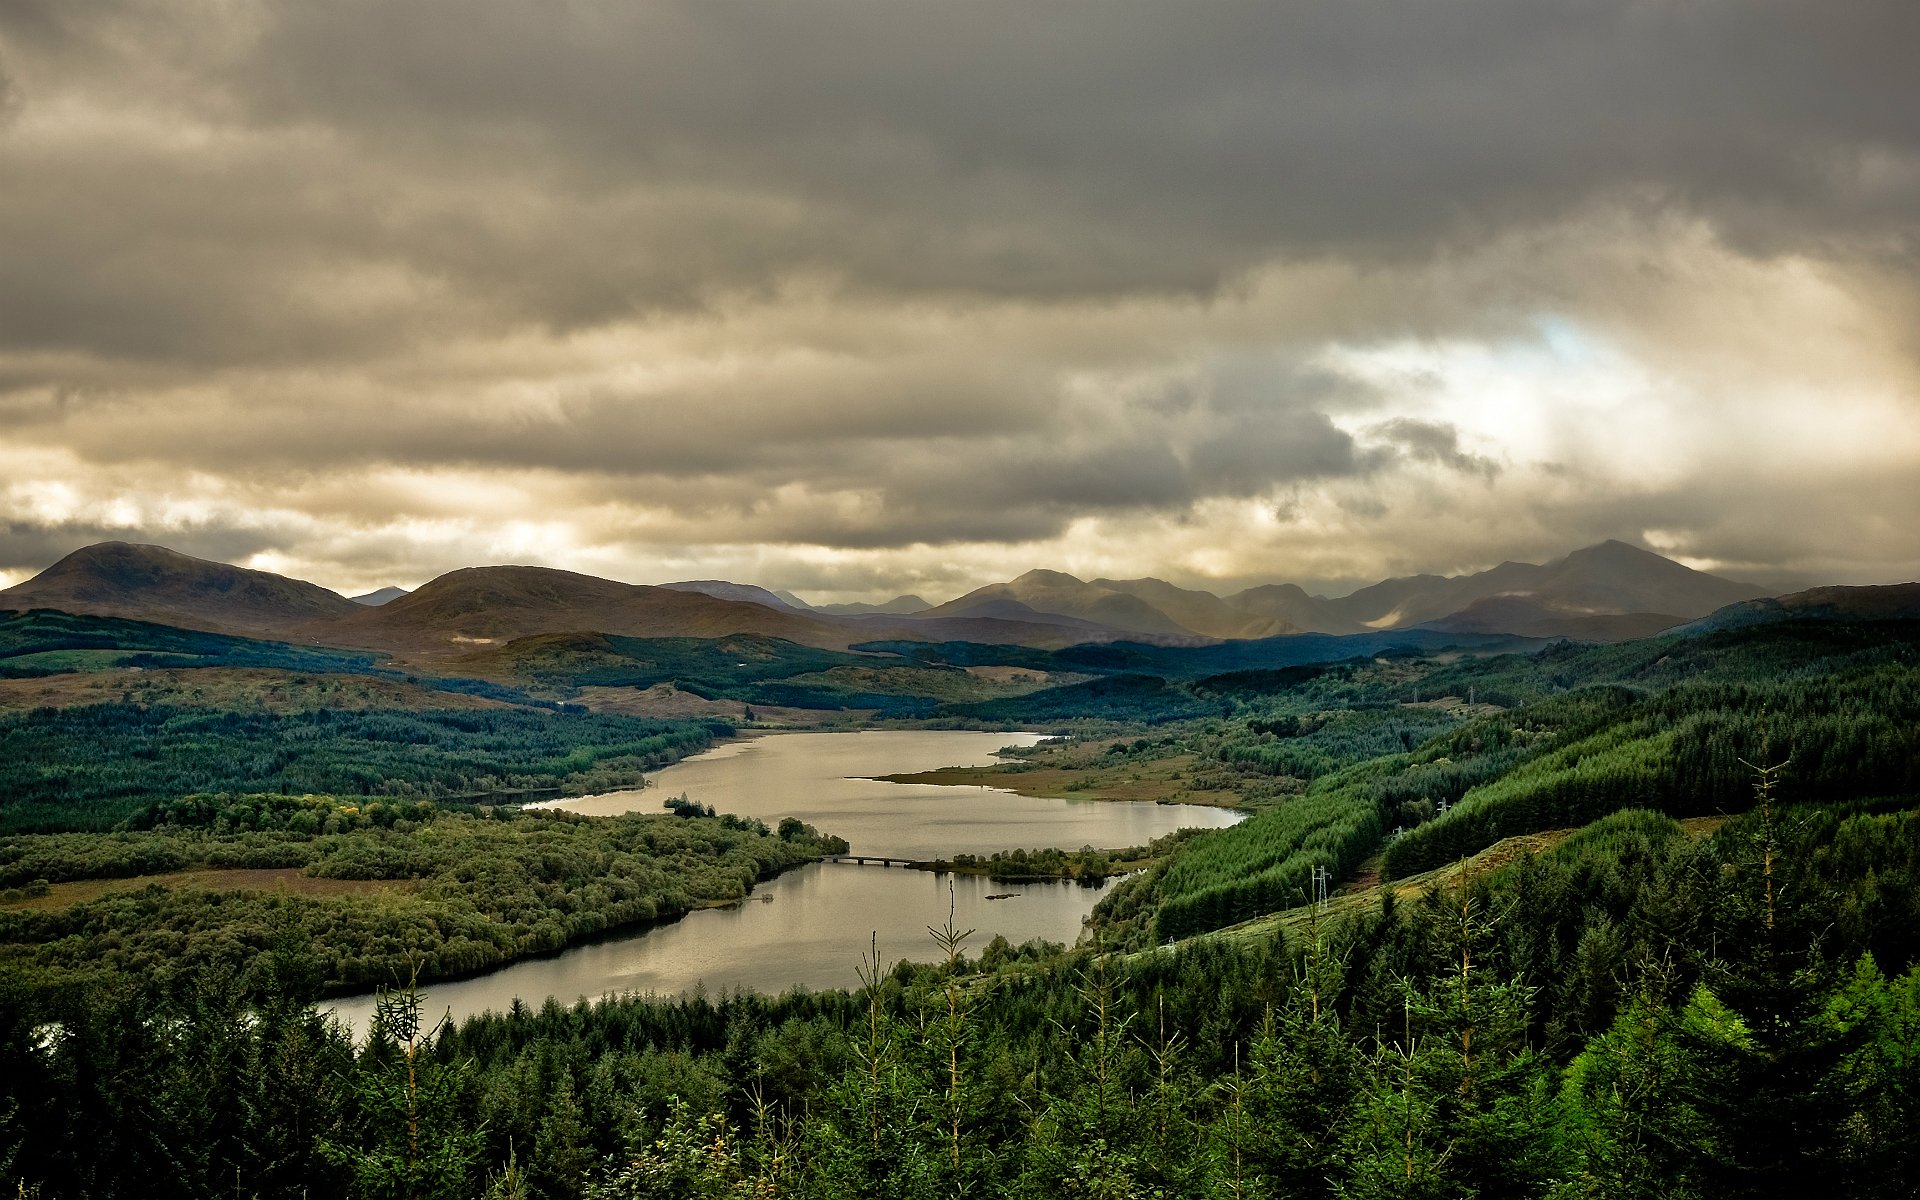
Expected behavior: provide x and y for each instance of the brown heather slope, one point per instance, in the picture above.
(1064, 595)
(1289, 604)
(1202, 612)
(237, 688)
(1523, 616)
(470, 608)
(481, 606)
(478, 607)
(153, 583)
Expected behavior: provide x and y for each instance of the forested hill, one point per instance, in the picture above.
(1554, 740)
(97, 766)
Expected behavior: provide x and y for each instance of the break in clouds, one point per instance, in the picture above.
(857, 298)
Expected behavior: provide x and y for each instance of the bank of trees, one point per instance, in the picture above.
(1844, 716)
(1625, 1015)
(96, 766)
(441, 894)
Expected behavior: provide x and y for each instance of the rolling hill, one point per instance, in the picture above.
(153, 583)
(480, 606)
(1608, 592)
(1888, 602)
(1042, 593)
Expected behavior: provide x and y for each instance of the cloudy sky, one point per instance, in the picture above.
(857, 297)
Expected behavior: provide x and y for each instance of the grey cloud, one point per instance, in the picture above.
(1434, 442)
(574, 163)
(27, 546)
(933, 265)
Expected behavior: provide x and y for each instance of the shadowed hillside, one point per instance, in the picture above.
(153, 583)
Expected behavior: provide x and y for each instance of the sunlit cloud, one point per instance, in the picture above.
(861, 301)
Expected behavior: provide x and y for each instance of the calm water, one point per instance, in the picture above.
(817, 925)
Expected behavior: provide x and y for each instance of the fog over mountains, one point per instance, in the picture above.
(1608, 592)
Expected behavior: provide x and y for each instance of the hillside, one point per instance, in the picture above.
(1527, 617)
(745, 593)
(1609, 579)
(1201, 612)
(1608, 592)
(1059, 594)
(153, 583)
(1290, 604)
(481, 606)
(1890, 602)
(899, 606)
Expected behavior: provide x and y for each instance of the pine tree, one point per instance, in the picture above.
(408, 1138)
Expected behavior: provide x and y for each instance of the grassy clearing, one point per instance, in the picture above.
(241, 689)
(285, 881)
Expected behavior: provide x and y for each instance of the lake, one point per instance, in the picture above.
(816, 927)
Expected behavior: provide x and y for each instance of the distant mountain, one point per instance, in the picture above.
(791, 600)
(1610, 579)
(899, 606)
(1888, 602)
(1522, 616)
(1289, 604)
(1201, 612)
(153, 583)
(478, 606)
(746, 593)
(1055, 593)
(1608, 592)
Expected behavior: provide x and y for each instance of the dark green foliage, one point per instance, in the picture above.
(93, 767)
(729, 666)
(45, 642)
(1145, 699)
(479, 891)
(1199, 662)
(1849, 735)
(1397, 1054)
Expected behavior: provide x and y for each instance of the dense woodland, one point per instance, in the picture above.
(1725, 1009)
(1636, 1013)
(100, 765)
(448, 893)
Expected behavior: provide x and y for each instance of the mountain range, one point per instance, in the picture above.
(1607, 592)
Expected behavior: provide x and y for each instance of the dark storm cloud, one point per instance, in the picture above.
(871, 275)
(27, 547)
(571, 163)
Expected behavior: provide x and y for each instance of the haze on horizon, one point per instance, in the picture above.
(857, 298)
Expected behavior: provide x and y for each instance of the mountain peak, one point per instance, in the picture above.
(1615, 549)
(1040, 576)
(154, 583)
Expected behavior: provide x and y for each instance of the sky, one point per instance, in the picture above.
(863, 297)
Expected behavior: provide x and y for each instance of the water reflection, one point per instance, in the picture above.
(818, 920)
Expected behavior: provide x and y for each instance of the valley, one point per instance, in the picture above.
(631, 847)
